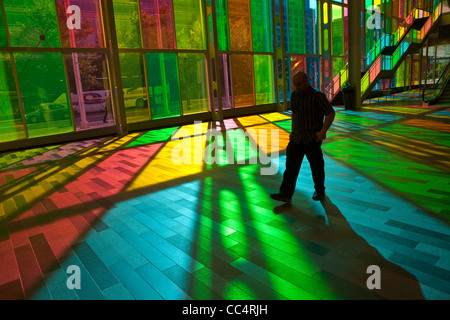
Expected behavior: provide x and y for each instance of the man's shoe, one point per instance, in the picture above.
(318, 196)
(280, 197)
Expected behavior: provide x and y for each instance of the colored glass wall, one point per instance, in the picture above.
(52, 91)
(246, 79)
(12, 126)
(304, 32)
(173, 81)
(165, 84)
(309, 64)
(44, 93)
(163, 54)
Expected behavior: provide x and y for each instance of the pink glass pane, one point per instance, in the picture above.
(90, 33)
(157, 24)
(375, 70)
(337, 84)
(345, 31)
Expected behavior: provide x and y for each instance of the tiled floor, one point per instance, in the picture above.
(140, 225)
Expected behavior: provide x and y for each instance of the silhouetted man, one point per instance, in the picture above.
(309, 107)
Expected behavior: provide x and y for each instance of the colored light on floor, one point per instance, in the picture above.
(428, 124)
(152, 230)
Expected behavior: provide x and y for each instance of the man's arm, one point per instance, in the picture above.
(293, 110)
(322, 134)
(330, 113)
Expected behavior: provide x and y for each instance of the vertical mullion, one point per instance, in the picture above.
(420, 66)
(280, 53)
(179, 83)
(251, 33)
(178, 60)
(143, 57)
(212, 53)
(16, 76)
(115, 73)
(251, 49)
(69, 96)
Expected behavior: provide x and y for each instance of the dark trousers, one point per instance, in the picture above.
(294, 158)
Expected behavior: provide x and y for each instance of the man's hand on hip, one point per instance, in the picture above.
(321, 135)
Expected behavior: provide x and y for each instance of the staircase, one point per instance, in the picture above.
(445, 96)
(338, 99)
(386, 56)
(440, 91)
(388, 43)
(385, 66)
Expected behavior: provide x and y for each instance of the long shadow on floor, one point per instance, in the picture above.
(344, 257)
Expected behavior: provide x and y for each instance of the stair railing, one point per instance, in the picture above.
(432, 93)
(336, 84)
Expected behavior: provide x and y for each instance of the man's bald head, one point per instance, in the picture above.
(300, 81)
(300, 76)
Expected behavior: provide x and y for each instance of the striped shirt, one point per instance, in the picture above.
(308, 111)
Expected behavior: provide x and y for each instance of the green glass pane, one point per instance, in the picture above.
(223, 36)
(400, 75)
(126, 15)
(436, 3)
(338, 64)
(43, 87)
(364, 83)
(3, 36)
(133, 82)
(369, 36)
(387, 25)
(297, 26)
(337, 39)
(194, 89)
(32, 23)
(261, 13)
(163, 82)
(11, 124)
(189, 24)
(264, 81)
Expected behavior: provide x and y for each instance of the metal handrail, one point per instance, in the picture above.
(438, 87)
(336, 84)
